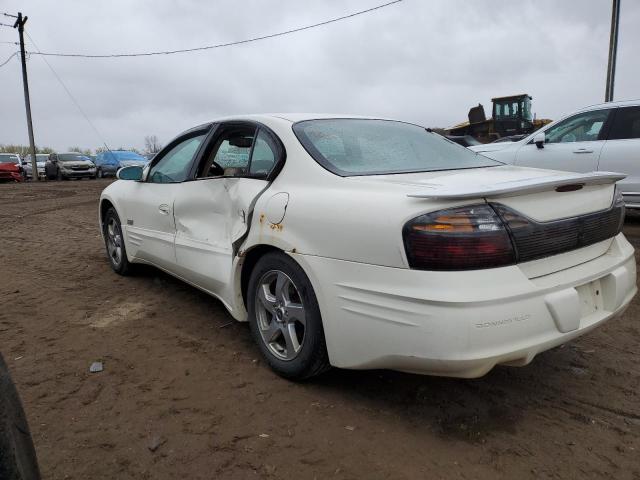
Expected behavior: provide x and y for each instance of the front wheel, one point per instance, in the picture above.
(285, 318)
(99, 173)
(114, 241)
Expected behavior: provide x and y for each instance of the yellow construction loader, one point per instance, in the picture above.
(511, 117)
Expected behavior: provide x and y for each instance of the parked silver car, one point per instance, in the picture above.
(604, 137)
(41, 160)
(63, 166)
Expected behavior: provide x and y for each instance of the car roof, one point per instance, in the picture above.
(292, 117)
(619, 103)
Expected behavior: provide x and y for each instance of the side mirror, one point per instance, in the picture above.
(539, 140)
(130, 173)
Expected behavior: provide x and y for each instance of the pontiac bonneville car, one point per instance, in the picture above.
(367, 243)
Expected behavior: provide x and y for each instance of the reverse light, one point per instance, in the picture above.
(466, 238)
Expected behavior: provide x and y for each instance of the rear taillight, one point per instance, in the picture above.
(618, 203)
(466, 238)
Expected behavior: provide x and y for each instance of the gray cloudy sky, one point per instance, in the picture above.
(425, 61)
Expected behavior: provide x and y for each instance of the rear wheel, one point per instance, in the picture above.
(114, 241)
(17, 456)
(285, 318)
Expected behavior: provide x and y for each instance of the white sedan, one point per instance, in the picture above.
(366, 243)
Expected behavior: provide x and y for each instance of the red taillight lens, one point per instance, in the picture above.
(466, 238)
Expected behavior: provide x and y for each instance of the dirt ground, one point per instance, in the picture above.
(183, 393)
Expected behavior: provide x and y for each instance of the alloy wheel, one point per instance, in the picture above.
(280, 315)
(114, 241)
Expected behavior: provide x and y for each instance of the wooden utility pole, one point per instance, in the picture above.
(27, 102)
(613, 50)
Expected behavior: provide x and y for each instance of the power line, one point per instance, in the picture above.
(70, 95)
(220, 45)
(8, 59)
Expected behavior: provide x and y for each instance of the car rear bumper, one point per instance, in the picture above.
(462, 324)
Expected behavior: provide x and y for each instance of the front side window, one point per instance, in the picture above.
(584, 127)
(626, 124)
(174, 166)
(368, 147)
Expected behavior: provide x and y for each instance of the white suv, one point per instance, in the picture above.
(603, 137)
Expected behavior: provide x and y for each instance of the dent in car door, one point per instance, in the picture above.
(150, 222)
(573, 144)
(210, 215)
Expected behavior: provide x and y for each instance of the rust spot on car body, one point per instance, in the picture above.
(276, 226)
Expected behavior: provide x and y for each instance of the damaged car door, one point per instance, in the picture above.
(212, 213)
(149, 218)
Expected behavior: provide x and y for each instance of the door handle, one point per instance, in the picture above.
(583, 150)
(164, 209)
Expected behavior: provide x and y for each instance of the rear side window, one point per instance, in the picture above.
(263, 157)
(626, 124)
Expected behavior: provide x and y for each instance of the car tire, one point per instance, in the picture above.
(114, 240)
(99, 173)
(59, 175)
(279, 295)
(18, 459)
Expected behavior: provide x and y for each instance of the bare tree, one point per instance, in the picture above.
(86, 151)
(151, 144)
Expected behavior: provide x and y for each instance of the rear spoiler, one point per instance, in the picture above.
(518, 187)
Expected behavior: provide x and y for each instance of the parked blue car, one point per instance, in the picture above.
(108, 163)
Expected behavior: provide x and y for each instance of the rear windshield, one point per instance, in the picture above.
(374, 147)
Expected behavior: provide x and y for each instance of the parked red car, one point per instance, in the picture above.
(10, 168)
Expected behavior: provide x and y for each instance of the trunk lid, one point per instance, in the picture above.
(543, 195)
